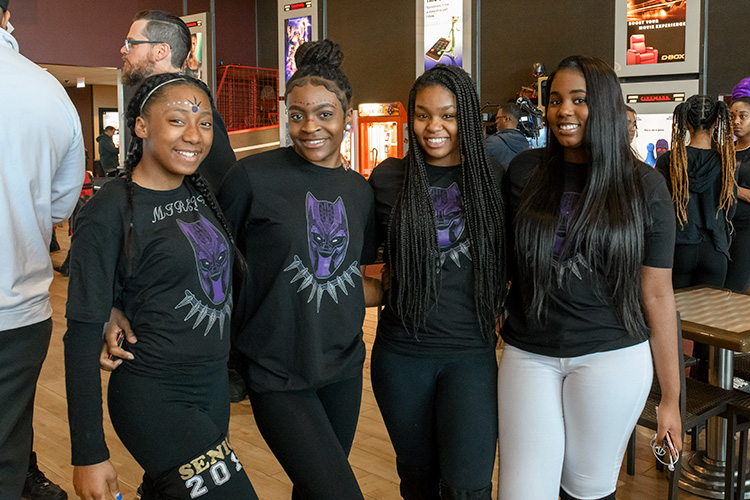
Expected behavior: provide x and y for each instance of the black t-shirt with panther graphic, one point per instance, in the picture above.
(304, 230)
(172, 278)
(580, 318)
(452, 326)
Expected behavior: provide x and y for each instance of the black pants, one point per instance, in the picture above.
(22, 352)
(441, 415)
(699, 264)
(175, 426)
(311, 433)
(738, 273)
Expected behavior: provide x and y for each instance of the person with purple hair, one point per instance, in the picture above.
(738, 272)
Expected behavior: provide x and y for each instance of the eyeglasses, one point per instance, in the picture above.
(129, 43)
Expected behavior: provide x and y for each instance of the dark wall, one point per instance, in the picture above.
(91, 32)
(84, 102)
(379, 47)
(518, 33)
(728, 50)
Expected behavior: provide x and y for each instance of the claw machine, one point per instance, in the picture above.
(382, 134)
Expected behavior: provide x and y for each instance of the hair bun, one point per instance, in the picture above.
(321, 52)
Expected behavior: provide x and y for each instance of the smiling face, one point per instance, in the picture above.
(568, 113)
(436, 125)
(177, 132)
(739, 114)
(316, 124)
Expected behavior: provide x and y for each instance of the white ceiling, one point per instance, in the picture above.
(68, 75)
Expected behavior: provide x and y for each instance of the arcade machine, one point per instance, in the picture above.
(382, 134)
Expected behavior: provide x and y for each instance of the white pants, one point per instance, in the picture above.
(566, 421)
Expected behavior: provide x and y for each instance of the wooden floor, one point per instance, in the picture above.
(372, 457)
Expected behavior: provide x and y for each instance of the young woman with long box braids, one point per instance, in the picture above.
(591, 301)
(434, 367)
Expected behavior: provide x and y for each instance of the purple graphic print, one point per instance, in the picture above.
(567, 203)
(328, 235)
(449, 214)
(211, 257)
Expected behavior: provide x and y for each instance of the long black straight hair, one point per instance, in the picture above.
(607, 226)
(412, 246)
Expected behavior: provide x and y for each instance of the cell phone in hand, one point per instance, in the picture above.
(669, 445)
(120, 338)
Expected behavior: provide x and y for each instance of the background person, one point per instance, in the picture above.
(42, 168)
(590, 301)
(108, 152)
(738, 270)
(508, 141)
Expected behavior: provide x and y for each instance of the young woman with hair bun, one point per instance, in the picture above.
(305, 224)
(155, 244)
(434, 366)
(590, 303)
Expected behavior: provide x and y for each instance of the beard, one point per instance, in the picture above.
(134, 74)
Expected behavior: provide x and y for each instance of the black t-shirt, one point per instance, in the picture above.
(578, 320)
(304, 230)
(742, 215)
(452, 327)
(704, 181)
(173, 281)
(174, 287)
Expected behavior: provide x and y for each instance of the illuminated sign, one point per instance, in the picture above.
(665, 97)
(194, 24)
(297, 6)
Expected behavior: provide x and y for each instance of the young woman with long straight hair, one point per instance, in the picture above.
(590, 302)
(155, 244)
(433, 367)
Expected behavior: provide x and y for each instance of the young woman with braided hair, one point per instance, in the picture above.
(155, 244)
(700, 177)
(305, 225)
(738, 272)
(433, 367)
(591, 299)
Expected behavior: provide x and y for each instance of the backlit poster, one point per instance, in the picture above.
(657, 37)
(656, 31)
(443, 32)
(194, 62)
(298, 31)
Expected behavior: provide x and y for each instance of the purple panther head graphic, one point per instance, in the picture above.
(449, 214)
(328, 235)
(211, 257)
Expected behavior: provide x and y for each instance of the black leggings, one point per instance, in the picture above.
(738, 273)
(441, 416)
(311, 433)
(175, 427)
(698, 264)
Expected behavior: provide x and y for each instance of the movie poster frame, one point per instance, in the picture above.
(469, 57)
(690, 65)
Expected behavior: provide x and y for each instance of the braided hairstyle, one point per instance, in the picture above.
(146, 95)
(701, 112)
(606, 227)
(318, 63)
(412, 245)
